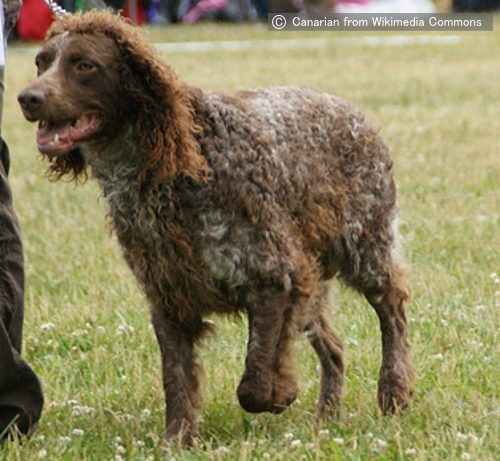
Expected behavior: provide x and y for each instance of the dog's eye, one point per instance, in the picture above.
(84, 66)
(39, 66)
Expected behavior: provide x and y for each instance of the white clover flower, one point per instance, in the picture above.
(410, 451)
(466, 456)
(339, 441)
(324, 433)
(288, 436)
(81, 410)
(78, 432)
(295, 443)
(77, 333)
(42, 454)
(379, 443)
(222, 450)
(33, 340)
(146, 413)
(124, 328)
(47, 326)
(475, 439)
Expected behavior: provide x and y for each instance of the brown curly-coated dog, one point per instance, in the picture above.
(250, 202)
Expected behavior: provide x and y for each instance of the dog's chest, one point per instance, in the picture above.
(155, 233)
(147, 228)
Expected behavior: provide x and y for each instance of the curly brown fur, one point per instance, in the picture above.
(226, 203)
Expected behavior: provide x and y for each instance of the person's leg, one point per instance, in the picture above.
(21, 397)
(1, 95)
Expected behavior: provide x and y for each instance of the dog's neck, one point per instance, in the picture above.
(115, 163)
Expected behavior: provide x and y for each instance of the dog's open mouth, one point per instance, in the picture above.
(56, 139)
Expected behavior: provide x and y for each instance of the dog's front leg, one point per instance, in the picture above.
(256, 386)
(266, 384)
(180, 375)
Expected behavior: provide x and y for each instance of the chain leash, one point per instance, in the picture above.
(55, 8)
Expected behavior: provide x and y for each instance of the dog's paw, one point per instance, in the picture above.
(255, 395)
(284, 393)
(328, 406)
(395, 391)
(180, 432)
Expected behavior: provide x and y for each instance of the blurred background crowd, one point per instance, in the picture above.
(36, 17)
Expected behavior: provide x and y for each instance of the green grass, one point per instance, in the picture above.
(87, 330)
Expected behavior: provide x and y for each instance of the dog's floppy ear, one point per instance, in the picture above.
(162, 105)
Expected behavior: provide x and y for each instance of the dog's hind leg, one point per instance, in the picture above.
(329, 349)
(180, 374)
(382, 279)
(395, 386)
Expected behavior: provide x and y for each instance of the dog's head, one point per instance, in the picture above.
(97, 76)
(74, 97)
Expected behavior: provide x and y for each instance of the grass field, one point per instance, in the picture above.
(87, 330)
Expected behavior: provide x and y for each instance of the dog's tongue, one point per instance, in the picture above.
(54, 139)
(58, 139)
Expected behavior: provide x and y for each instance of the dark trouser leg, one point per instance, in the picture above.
(2, 89)
(21, 395)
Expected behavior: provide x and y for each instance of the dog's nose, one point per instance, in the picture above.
(30, 100)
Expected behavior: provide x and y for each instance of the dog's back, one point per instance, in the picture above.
(305, 158)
